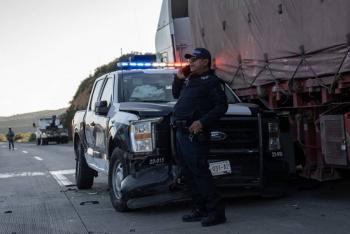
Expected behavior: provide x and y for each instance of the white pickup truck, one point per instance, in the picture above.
(126, 133)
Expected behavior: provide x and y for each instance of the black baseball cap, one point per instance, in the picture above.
(199, 53)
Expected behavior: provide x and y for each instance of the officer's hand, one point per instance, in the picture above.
(196, 127)
(180, 75)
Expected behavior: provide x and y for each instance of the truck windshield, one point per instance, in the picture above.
(143, 87)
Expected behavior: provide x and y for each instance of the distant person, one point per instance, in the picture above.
(11, 137)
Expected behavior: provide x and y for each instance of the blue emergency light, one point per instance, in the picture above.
(141, 65)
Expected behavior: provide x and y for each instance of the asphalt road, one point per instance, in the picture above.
(37, 195)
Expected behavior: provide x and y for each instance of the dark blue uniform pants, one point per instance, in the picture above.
(192, 154)
(11, 144)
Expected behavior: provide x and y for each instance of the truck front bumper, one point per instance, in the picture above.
(151, 180)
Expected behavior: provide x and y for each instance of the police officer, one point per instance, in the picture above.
(10, 137)
(201, 102)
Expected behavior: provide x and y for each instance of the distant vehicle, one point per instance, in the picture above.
(50, 130)
(126, 133)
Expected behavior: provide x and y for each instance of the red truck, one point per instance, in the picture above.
(288, 56)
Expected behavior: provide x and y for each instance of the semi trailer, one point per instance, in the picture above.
(291, 57)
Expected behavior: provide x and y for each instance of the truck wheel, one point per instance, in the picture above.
(84, 175)
(117, 172)
(38, 141)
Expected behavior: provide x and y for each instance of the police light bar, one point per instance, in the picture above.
(142, 65)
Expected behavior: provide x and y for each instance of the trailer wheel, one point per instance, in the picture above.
(117, 172)
(84, 175)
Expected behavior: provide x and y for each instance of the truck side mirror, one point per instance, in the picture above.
(101, 107)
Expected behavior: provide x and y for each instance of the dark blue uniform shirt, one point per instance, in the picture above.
(200, 97)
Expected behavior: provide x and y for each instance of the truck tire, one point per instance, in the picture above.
(84, 175)
(117, 172)
(38, 141)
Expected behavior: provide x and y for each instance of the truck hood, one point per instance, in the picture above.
(243, 109)
(145, 110)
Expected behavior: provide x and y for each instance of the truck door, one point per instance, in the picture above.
(101, 127)
(90, 120)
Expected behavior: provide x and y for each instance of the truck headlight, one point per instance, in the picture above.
(142, 135)
(274, 136)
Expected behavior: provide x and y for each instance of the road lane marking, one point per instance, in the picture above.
(25, 152)
(60, 178)
(57, 175)
(21, 174)
(38, 158)
(70, 171)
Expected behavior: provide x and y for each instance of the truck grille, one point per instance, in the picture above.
(237, 141)
(235, 136)
(240, 147)
(241, 134)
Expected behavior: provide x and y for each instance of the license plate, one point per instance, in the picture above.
(220, 168)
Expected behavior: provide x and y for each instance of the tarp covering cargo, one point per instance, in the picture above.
(255, 42)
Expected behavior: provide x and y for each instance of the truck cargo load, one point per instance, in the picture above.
(295, 39)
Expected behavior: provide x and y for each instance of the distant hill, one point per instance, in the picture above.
(24, 122)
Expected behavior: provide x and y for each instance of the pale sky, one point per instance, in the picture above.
(47, 47)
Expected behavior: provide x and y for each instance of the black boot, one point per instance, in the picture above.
(196, 215)
(214, 219)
